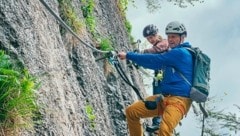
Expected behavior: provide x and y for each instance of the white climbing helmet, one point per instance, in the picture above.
(176, 27)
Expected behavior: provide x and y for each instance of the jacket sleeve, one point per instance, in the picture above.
(156, 61)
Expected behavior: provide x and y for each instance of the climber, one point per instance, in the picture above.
(159, 45)
(176, 91)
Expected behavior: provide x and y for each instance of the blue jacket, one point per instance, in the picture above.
(176, 60)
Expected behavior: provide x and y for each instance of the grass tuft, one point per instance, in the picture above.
(105, 45)
(69, 15)
(17, 97)
(88, 10)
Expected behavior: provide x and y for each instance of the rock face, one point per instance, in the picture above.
(71, 79)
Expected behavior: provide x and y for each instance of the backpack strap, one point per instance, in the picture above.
(185, 79)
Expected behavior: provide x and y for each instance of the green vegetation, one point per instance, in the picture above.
(122, 5)
(87, 9)
(90, 114)
(17, 96)
(105, 45)
(128, 26)
(68, 14)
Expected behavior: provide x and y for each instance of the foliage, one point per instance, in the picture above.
(218, 122)
(90, 114)
(228, 120)
(68, 14)
(128, 27)
(155, 5)
(87, 9)
(17, 96)
(184, 3)
(105, 45)
(122, 5)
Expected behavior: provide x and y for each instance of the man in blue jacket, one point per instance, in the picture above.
(174, 88)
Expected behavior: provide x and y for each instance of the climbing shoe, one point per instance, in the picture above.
(152, 129)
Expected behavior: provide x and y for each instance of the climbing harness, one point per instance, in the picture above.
(68, 28)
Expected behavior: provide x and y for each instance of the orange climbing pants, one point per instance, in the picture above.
(172, 109)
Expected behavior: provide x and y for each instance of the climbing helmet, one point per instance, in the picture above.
(150, 30)
(176, 27)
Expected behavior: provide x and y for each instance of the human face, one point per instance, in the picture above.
(153, 39)
(174, 40)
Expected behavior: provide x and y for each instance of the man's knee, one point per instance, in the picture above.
(130, 111)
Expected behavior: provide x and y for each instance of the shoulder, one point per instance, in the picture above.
(180, 52)
(183, 48)
(177, 50)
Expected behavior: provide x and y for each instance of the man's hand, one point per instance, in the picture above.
(122, 55)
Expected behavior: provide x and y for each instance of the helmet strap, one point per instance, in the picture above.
(181, 36)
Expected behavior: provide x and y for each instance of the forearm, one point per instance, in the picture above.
(150, 61)
(154, 49)
(159, 48)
